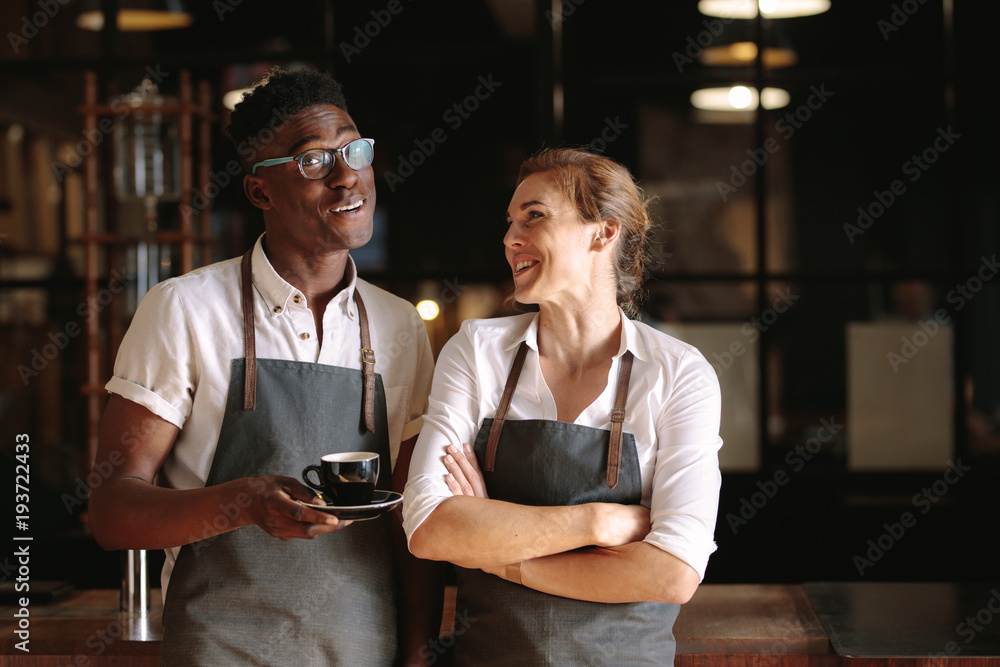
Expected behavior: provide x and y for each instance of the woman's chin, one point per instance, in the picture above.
(525, 296)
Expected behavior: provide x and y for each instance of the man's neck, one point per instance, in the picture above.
(318, 277)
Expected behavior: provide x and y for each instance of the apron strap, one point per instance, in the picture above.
(367, 363)
(617, 418)
(249, 342)
(617, 413)
(501, 415)
(250, 347)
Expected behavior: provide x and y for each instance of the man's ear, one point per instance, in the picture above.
(256, 191)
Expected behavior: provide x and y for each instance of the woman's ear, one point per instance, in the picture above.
(608, 232)
(256, 191)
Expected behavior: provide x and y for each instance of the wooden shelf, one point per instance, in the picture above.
(194, 166)
(152, 238)
(165, 109)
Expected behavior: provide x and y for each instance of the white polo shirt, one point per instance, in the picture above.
(673, 411)
(176, 357)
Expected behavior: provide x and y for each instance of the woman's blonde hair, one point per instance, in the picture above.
(602, 189)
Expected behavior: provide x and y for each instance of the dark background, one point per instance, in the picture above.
(446, 221)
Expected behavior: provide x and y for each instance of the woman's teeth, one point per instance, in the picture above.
(523, 265)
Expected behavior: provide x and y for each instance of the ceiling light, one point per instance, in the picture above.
(141, 16)
(742, 54)
(771, 9)
(738, 98)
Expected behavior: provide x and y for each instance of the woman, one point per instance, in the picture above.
(597, 438)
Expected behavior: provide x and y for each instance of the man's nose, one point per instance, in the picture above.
(341, 175)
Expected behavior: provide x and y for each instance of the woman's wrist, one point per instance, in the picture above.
(599, 536)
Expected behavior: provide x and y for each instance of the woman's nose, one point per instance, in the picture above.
(512, 238)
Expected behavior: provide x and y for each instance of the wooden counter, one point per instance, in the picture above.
(83, 630)
(870, 623)
(728, 624)
(723, 625)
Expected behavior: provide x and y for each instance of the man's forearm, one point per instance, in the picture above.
(130, 513)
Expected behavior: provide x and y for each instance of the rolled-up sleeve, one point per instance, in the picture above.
(452, 418)
(686, 477)
(424, 372)
(155, 366)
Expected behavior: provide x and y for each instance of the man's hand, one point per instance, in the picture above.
(275, 508)
(464, 477)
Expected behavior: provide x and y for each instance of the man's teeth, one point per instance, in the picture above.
(525, 264)
(349, 207)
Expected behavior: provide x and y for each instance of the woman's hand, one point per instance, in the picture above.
(617, 525)
(496, 571)
(464, 477)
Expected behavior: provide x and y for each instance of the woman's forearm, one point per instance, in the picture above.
(635, 572)
(480, 532)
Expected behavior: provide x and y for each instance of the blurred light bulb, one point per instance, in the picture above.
(740, 97)
(772, 9)
(428, 309)
(234, 97)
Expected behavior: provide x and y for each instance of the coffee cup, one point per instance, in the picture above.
(346, 478)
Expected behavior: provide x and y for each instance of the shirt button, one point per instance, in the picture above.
(304, 336)
(297, 298)
(277, 309)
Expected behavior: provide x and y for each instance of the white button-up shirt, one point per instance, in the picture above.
(176, 357)
(673, 412)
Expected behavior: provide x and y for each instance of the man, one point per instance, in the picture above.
(234, 377)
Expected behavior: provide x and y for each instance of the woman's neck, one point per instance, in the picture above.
(579, 336)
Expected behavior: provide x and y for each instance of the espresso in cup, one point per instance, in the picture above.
(346, 478)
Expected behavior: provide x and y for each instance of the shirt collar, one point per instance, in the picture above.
(279, 294)
(630, 338)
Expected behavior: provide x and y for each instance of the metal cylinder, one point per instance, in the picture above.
(134, 597)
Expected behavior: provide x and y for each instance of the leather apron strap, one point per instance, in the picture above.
(617, 419)
(501, 415)
(249, 340)
(367, 363)
(617, 413)
(250, 347)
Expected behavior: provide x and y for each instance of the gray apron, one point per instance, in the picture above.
(246, 598)
(540, 462)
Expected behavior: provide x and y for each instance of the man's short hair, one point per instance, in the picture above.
(280, 94)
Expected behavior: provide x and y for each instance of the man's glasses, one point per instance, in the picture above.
(317, 163)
